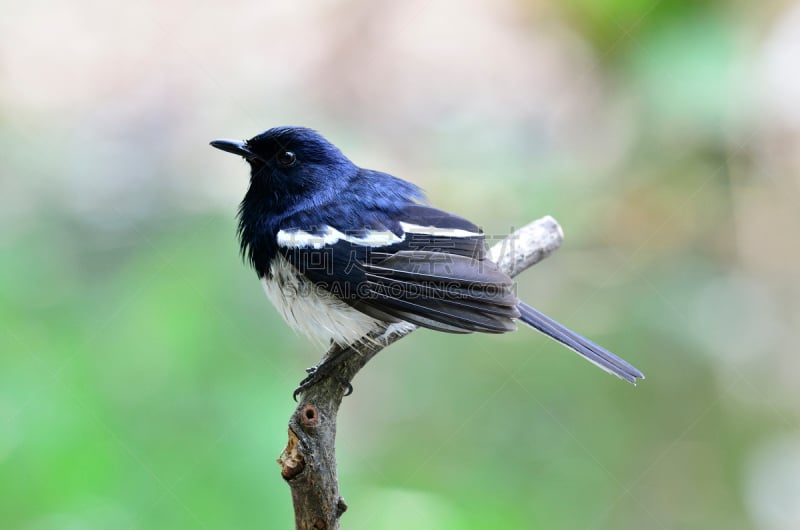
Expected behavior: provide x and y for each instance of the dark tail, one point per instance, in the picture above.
(588, 349)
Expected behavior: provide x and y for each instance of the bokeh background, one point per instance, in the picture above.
(145, 381)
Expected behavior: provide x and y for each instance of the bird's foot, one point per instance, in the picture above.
(315, 375)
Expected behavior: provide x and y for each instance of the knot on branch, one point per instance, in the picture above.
(309, 416)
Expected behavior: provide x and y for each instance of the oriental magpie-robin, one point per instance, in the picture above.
(342, 251)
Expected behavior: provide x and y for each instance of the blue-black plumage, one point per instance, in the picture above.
(343, 250)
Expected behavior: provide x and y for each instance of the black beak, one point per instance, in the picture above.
(233, 146)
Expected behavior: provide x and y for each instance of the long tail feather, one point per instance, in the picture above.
(594, 353)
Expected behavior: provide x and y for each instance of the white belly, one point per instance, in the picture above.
(312, 310)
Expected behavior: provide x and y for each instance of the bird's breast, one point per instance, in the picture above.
(312, 309)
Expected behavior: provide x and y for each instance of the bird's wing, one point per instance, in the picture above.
(430, 271)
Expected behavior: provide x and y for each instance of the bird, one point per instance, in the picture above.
(343, 252)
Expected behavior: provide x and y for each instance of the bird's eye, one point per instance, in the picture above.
(286, 158)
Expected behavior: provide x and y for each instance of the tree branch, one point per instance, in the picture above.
(308, 463)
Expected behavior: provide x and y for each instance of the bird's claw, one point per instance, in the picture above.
(315, 375)
(347, 385)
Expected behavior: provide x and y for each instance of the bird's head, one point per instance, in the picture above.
(298, 179)
(292, 163)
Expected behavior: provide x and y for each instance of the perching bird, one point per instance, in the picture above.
(343, 250)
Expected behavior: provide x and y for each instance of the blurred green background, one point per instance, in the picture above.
(145, 381)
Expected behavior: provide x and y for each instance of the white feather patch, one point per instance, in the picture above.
(436, 231)
(313, 310)
(303, 239)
